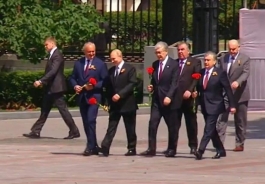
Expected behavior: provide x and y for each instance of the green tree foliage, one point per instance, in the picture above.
(26, 23)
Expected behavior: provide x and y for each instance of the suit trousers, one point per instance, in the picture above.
(190, 120)
(129, 119)
(240, 120)
(89, 115)
(170, 116)
(210, 133)
(48, 101)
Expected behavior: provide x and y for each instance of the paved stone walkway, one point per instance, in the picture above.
(52, 160)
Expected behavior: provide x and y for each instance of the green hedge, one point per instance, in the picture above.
(17, 90)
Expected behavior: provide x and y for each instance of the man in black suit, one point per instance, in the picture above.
(120, 96)
(186, 85)
(55, 84)
(210, 90)
(164, 104)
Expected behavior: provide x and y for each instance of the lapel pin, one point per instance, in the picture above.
(123, 70)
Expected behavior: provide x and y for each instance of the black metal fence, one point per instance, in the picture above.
(133, 24)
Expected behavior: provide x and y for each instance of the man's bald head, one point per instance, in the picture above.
(233, 46)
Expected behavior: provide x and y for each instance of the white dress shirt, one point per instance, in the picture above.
(230, 62)
(164, 62)
(87, 62)
(52, 51)
(209, 74)
(118, 68)
(183, 64)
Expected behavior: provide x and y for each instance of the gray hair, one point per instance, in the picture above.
(88, 44)
(210, 53)
(161, 45)
(234, 42)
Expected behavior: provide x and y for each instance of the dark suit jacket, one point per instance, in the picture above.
(78, 77)
(167, 85)
(211, 98)
(123, 85)
(54, 77)
(185, 80)
(102, 40)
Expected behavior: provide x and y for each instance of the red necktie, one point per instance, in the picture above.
(87, 67)
(206, 79)
(180, 66)
(160, 70)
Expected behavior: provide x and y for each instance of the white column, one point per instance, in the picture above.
(137, 4)
(113, 5)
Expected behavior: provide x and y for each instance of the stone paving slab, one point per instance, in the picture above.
(52, 160)
(75, 113)
(54, 113)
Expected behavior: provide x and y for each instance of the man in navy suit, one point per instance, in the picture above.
(84, 69)
(210, 90)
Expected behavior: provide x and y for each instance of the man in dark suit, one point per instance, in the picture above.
(210, 89)
(55, 84)
(121, 100)
(237, 66)
(163, 86)
(84, 69)
(186, 85)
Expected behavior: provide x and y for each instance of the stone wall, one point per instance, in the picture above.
(9, 62)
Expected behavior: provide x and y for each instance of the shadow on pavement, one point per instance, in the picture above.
(255, 129)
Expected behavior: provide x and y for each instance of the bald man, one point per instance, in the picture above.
(84, 69)
(121, 101)
(237, 66)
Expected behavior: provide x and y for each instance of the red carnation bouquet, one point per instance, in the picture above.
(91, 81)
(93, 101)
(195, 76)
(150, 70)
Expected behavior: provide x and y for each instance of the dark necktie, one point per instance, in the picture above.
(117, 71)
(231, 61)
(116, 74)
(87, 67)
(160, 70)
(180, 65)
(206, 79)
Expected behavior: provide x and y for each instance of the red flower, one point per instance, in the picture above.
(150, 70)
(92, 101)
(196, 76)
(92, 81)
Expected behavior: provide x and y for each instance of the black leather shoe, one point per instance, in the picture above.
(170, 153)
(148, 153)
(32, 135)
(89, 152)
(73, 135)
(198, 155)
(104, 151)
(192, 151)
(131, 152)
(219, 155)
(165, 152)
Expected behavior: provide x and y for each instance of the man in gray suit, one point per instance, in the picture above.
(237, 66)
